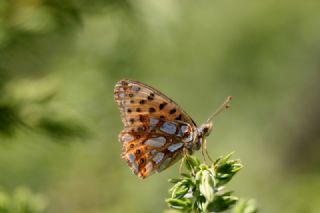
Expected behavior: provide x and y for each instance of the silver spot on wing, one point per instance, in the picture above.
(126, 138)
(153, 121)
(158, 157)
(131, 157)
(184, 129)
(149, 167)
(121, 95)
(134, 166)
(156, 142)
(189, 138)
(135, 88)
(174, 147)
(168, 127)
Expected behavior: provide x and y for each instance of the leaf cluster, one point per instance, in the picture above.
(202, 188)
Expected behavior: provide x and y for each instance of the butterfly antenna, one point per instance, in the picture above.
(225, 105)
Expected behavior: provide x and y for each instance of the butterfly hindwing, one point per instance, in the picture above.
(154, 149)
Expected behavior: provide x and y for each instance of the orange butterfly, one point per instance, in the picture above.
(157, 131)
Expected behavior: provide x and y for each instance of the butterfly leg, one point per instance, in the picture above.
(205, 148)
(180, 167)
(203, 153)
(185, 153)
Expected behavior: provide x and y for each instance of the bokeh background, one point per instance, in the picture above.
(59, 62)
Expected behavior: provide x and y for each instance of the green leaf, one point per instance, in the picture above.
(186, 175)
(174, 180)
(180, 188)
(191, 163)
(222, 202)
(181, 204)
(226, 169)
(207, 185)
(200, 204)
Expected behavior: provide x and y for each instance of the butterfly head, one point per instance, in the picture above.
(205, 129)
(203, 132)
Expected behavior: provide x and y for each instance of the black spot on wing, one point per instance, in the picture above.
(152, 110)
(162, 105)
(173, 111)
(178, 117)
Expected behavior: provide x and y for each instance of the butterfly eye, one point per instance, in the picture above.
(205, 129)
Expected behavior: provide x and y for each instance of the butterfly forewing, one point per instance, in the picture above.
(155, 128)
(135, 99)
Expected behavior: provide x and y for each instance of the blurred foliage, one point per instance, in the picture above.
(27, 105)
(21, 201)
(245, 206)
(59, 61)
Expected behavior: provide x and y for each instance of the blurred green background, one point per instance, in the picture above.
(59, 62)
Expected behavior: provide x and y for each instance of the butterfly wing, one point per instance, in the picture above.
(136, 99)
(149, 152)
(155, 127)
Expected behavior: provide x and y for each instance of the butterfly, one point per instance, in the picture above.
(157, 131)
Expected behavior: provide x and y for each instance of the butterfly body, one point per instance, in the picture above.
(157, 132)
